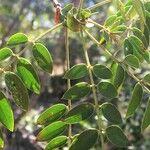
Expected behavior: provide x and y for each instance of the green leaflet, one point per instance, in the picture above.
(28, 75)
(76, 72)
(85, 140)
(146, 117)
(43, 57)
(111, 113)
(52, 114)
(51, 131)
(17, 89)
(6, 113)
(147, 79)
(107, 89)
(102, 71)
(79, 113)
(5, 53)
(77, 91)
(135, 100)
(16, 39)
(132, 61)
(116, 136)
(1, 140)
(56, 142)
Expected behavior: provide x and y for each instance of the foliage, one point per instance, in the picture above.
(128, 28)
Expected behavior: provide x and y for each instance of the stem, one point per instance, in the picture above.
(117, 61)
(99, 4)
(94, 92)
(68, 80)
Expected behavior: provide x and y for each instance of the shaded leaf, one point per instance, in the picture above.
(56, 142)
(6, 113)
(79, 113)
(28, 75)
(85, 140)
(116, 136)
(17, 89)
(52, 114)
(76, 72)
(132, 61)
(77, 91)
(146, 117)
(16, 39)
(107, 89)
(51, 131)
(43, 57)
(111, 113)
(135, 100)
(147, 79)
(102, 71)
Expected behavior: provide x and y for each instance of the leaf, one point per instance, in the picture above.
(111, 113)
(146, 117)
(102, 71)
(79, 113)
(110, 20)
(77, 91)
(52, 114)
(107, 89)
(84, 14)
(135, 100)
(85, 140)
(132, 61)
(51, 131)
(6, 113)
(116, 136)
(118, 76)
(5, 53)
(16, 39)
(128, 49)
(119, 29)
(28, 75)
(137, 4)
(76, 72)
(17, 89)
(56, 142)
(1, 140)
(72, 23)
(66, 9)
(43, 57)
(147, 79)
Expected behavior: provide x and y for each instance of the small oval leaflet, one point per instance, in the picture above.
(111, 113)
(79, 113)
(51, 131)
(28, 75)
(116, 136)
(147, 79)
(1, 140)
(16, 39)
(52, 114)
(76, 72)
(56, 142)
(43, 57)
(6, 113)
(17, 89)
(85, 140)
(132, 61)
(102, 71)
(135, 100)
(77, 91)
(5, 53)
(146, 117)
(107, 89)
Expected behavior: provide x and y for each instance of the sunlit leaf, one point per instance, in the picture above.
(5, 53)
(17, 89)
(6, 113)
(52, 114)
